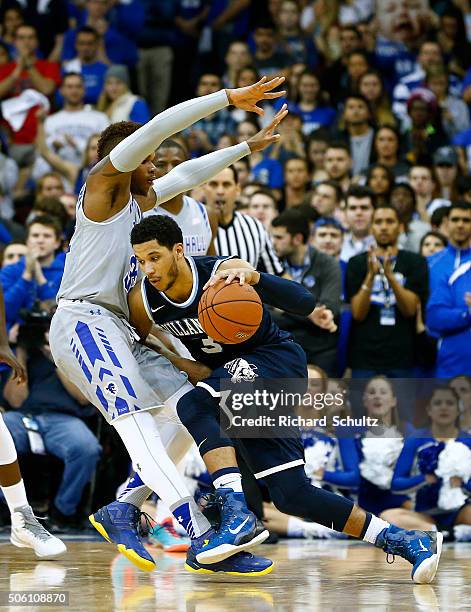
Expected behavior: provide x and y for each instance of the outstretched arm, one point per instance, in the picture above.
(194, 172)
(108, 184)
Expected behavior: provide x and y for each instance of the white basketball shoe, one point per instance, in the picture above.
(27, 532)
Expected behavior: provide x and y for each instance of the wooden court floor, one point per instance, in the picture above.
(316, 575)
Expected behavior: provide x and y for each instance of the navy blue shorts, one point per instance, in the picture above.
(284, 360)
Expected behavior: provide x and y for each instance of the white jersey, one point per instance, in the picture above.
(194, 223)
(100, 266)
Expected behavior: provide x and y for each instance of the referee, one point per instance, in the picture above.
(238, 234)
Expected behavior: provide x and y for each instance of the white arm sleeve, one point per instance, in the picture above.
(131, 151)
(192, 173)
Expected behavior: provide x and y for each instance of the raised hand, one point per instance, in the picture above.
(323, 318)
(266, 137)
(246, 98)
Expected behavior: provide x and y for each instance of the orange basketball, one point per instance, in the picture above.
(230, 314)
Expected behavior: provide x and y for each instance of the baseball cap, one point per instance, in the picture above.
(331, 221)
(445, 156)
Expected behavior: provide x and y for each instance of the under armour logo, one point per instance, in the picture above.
(180, 519)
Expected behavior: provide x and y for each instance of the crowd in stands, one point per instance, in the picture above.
(365, 199)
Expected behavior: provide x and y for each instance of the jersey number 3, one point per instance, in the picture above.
(210, 346)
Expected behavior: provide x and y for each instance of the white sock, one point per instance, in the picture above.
(229, 481)
(295, 527)
(162, 512)
(15, 496)
(375, 527)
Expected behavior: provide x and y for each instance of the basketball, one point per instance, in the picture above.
(230, 314)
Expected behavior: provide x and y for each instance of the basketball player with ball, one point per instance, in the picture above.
(214, 305)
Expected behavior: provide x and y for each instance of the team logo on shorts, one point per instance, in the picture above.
(240, 370)
(111, 389)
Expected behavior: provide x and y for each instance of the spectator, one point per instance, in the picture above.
(403, 200)
(462, 387)
(425, 134)
(267, 59)
(439, 220)
(338, 164)
(371, 87)
(74, 175)
(357, 66)
(50, 185)
(119, 49)
(39, 274)
(296, 175)
(326, 198)
(68, 131)
(445, 162)
(358, 132)
(317, 272)
(327, 236)
(454, 112)
(27, 72)
(50, 22)
(8, 178)
(207, 131)
(336, 73)
(299, 48)
(238, 234)
(311, 106)
(385, 287)
(264, 169)
(51, 207)
(422, 181)
(463, 188)
(12, 18)
(386, 150)
(430, 54)
(458, 251)
(56, 407)
(417, 465)
(117, 100)
(380, 180)
(243, 171)
(90, 61)
(316, 148)
(463, 141)
(263, 206)
(238, 57)
(359, 207)
(291, 142)
(164, 24)
(431, 243)
(13, 253)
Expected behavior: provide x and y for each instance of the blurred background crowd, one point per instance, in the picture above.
(366, 199)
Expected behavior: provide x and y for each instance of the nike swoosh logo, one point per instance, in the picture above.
(422, 547)
(158, 308)
(237, 529)
(202, 442)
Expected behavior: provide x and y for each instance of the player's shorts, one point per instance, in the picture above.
(283, 360)
(99, 353)
(446, 520)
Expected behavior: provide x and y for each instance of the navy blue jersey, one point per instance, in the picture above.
(181, 320)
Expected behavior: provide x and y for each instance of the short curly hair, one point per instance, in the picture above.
(113, 135)
(157, 227)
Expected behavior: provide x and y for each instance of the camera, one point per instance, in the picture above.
(36, 322)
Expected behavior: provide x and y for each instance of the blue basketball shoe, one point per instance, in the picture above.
(238, 530)
(120, 524)
(421, 548)
(241, 564)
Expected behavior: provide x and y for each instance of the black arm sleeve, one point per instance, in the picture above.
(285, 294)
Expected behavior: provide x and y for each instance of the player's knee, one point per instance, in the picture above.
(287, 491)
(194, 406)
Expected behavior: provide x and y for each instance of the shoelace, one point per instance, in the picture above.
(32, 523)
(401, 546)
(148, 528)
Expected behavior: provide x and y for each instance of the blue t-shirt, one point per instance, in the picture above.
(269, 172)
(394, 60)
(314, 119)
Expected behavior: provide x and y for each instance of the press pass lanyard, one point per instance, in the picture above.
(387, 315)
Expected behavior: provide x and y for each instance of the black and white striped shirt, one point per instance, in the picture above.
(246, 238)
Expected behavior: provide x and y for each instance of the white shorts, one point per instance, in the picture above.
(97, 351)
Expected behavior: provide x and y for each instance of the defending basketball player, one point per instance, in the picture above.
(93, 344)
(169, 296)
(26, 531)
